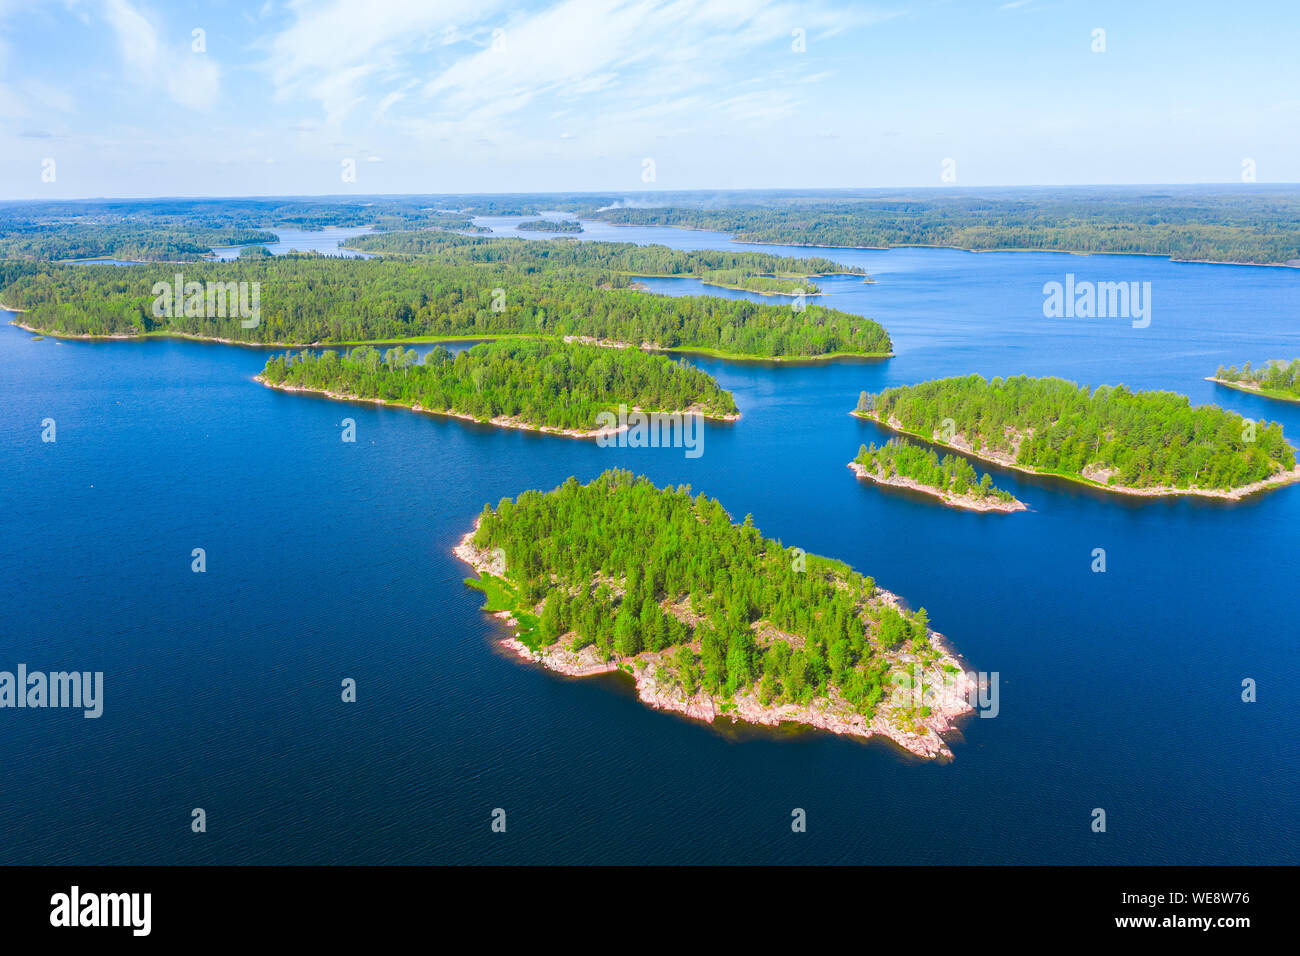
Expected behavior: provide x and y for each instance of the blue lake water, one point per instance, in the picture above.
(328, 560)
(324, 241)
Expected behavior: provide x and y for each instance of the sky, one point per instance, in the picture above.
(132, 98)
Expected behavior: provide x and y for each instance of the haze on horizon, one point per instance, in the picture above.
(136, 98)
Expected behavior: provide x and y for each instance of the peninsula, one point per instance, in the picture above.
(1138, 443)
(1275, 379)
(448, 287)
(710, 618)
(540, 385)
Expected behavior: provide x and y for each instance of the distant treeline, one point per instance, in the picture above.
(185, 230)
(540, 382)
(468, 290)
(1108, 434)
(121, 241)
(1246, 226)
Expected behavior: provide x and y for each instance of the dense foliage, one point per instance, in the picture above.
(540, 382)
(1278, 377)
(1131, 439)
(1244, 225)
(904, 459)
(308, 299)
(633, 569)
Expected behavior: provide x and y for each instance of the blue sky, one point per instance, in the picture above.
(482, 95)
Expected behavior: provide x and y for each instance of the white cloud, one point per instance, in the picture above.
(608, 58)
(191, 79)
(332, 48)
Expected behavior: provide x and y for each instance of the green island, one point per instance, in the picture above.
(710, 618)
(536, 384)
(1138, 443)
(1274, 379)
(462, 288)
(904, 464)
(550, 225)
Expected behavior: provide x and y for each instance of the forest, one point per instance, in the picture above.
(309, 299)
(630, 569)
(541, 382)
(1242, 225)
(1109, 434)
(1274, 379)
(952, 473)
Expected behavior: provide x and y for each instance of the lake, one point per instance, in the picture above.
(328, 560)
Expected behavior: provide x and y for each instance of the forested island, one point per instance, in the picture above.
(1274, 379)
(952, 480)
(1201, 223)
(468, 288)
(1143, 443)
(544, 385)
(550, 225)
(709, 617)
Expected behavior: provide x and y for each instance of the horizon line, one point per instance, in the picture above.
(785, 190)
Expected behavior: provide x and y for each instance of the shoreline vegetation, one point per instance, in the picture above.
(1053, 428)
(456, 288)
(757, 636)
(545, 386)
(902, 464)
(1274, 379)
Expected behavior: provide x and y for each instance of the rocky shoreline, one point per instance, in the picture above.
(951, 692)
